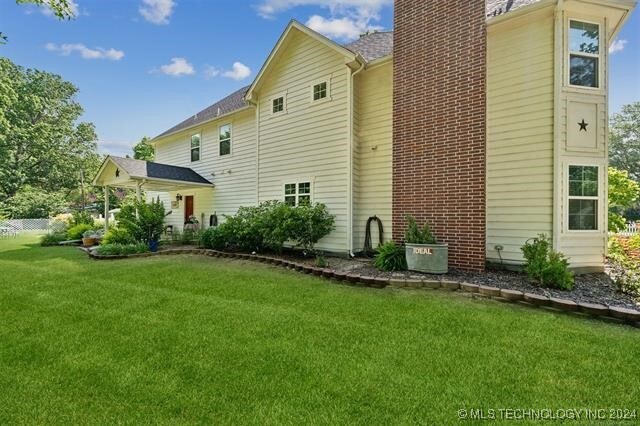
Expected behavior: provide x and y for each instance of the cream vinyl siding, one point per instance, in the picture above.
(585, 249)
(373, 152)
(234, 175)
(310, 141)
(520, 132)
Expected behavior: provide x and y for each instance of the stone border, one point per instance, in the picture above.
(617, 314)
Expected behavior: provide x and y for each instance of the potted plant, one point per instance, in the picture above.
(423, 252)
(89, 238)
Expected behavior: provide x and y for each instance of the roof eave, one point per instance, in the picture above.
(178, 182)
(157, 139)
(524, 10)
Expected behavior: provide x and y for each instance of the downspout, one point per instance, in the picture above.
(351, 82)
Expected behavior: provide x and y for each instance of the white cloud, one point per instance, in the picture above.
(617, 46)
(339, 28)
(239, 71)
(178, 67)
(157, 11)
(85, 52)
(73, 6)
(210, 72)
(348, 18)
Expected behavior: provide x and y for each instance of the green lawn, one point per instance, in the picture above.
(190, 339)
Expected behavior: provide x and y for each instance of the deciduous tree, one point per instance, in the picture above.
(624, 140)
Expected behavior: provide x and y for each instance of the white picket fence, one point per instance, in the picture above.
(631, 229)
(12, 227)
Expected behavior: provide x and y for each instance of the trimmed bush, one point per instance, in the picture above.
(52, 239)
(117, 235)
(76, 231)
(271, 224)
(625, 264)
(391, 257)
(547, 267)
(213, 238)
(122, 249)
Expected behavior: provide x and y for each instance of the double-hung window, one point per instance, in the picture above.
(320, 91)
(583, 198)
(225, 139)
(195, 148)
(296, 194)
(584, 54)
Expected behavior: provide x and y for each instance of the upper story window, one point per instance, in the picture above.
(296, 194)
(584, 54)
(278, 105)
(225, 139)
(320, 91)
(583, 198)
(195, 147)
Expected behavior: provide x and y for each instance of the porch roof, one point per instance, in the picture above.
(127, 172)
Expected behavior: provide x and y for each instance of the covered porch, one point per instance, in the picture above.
(183, 191)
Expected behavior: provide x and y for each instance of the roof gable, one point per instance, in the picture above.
(129, 168)
(296, 26)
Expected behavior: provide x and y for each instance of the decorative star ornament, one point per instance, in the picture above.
(583, 125)
(118, 170)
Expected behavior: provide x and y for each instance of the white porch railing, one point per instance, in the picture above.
(629, 230)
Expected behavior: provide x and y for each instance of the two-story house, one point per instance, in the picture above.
(489, 121)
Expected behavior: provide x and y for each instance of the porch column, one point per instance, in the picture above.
(106, 208)
(138, 196)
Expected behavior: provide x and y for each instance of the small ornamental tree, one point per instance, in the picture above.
(623, 193)
(144, 222)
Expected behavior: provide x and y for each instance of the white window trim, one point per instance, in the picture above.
(328, 98)
(284, 111)
(297, 182)
(191, 148)
(600, 56)
(598, 198)
(230, 140)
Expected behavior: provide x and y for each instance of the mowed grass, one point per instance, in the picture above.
(189, 339)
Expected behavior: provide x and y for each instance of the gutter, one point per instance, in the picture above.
(351, 82)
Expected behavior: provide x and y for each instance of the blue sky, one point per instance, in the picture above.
(144, 65)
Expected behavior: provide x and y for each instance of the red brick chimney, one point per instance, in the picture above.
(439, 141)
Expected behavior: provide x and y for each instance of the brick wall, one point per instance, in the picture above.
(439, 123)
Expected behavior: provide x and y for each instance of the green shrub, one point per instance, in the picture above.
(415, 235)
(321, 261)
(81, 217)
(144, 222)
(391, 257)
(213, 238)
(122, 249)
(311, 224)
(547, 267)
(76, 232)
(272, 223)
(118, 235)
(625, 269)
(53, 238)
(189, 236)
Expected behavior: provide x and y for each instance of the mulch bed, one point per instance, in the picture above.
(589, 288)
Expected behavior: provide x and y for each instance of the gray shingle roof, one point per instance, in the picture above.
(233, 102)
(499, 7)
(149, 169)
(370, 47)
(373, 46)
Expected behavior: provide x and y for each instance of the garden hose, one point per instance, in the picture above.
(367, 248)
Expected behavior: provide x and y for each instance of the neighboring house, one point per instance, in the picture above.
(488, 122)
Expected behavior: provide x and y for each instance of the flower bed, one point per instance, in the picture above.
(503, 286)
